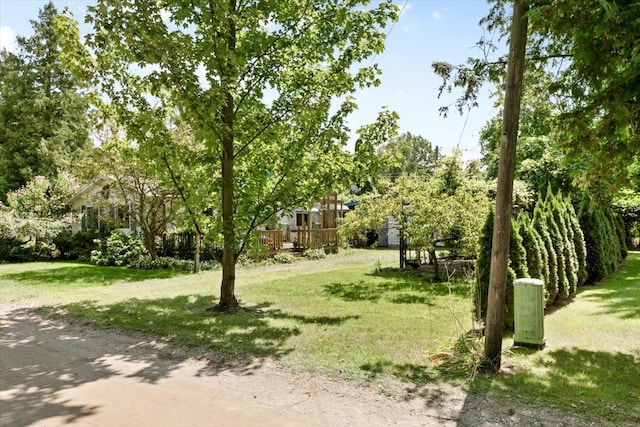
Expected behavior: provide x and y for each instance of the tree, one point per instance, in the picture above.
(257, 84)
(426, 210)
(409, 155)
(43, 112)
(597, 110)
(540, 224)
(37, 210)
(599, 85)
(138, 186)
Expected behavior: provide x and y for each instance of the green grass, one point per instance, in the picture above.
(346, 316)
(591, 364)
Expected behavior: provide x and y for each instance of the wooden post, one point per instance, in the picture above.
(502, 221)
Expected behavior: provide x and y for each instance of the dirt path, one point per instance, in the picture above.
(53, 373)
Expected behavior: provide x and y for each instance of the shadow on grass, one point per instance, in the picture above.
(397, 286)
(620, 293)
(255, 332)
(89, 275)
(597, 384)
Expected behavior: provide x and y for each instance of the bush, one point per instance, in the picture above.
(169, 263)
(13, 250)
(78, 245)
(315, 254)
(119, 250)
(284, 258)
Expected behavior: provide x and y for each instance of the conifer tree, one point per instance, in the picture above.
(483, 267)
(593, 236)
(540, 225)
(530, 244)
(558, 245)
(578, 242)
(43, 111)
(558, 211)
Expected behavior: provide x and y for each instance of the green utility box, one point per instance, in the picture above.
(528, 301)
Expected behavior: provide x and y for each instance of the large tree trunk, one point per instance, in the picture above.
(502, 220)
(227, 288)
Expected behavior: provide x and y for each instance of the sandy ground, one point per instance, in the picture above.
(53, 372)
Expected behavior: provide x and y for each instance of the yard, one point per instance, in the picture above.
(351, 317)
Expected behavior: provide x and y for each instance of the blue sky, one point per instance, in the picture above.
(427, 31)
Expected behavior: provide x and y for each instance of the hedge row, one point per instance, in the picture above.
(556, 245)
(605, 238)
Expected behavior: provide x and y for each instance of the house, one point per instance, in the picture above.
(98, 206)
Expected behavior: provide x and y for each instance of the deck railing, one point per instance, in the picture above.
(317, 238)
(271, 239)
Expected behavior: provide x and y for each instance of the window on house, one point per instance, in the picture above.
(302, 219)
(89, 218)
(122, 216)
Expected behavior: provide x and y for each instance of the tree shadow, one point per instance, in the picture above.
(606, 383)
(396, 286)
(46, 352)
(620, 294)
(89, 275)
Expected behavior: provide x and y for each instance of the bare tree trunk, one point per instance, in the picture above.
(227, 288)
(502, 221)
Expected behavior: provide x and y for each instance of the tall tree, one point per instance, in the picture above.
(256, 81)
(43, 125)
(409, 154)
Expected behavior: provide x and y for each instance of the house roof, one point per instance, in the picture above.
(97, 182)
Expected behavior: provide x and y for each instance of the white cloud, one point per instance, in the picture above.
(7, 38)
(436, 15)
(405, 29)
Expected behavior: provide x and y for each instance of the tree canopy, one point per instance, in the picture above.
(582, 60)
(43, 112)
(264, 86)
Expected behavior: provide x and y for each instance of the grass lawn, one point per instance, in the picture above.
(349, 316)
(591, 364)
